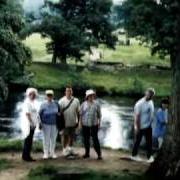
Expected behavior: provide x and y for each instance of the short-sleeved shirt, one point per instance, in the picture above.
(31, 107)
(161, 123)
(90, 113)
(145, 109)
(48, 112)
(70, 114)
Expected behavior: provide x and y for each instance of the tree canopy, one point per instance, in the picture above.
(75, 26)
(13, 54)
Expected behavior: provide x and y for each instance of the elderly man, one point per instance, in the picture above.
(143, 118)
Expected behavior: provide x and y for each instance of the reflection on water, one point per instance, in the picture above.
(116, 127)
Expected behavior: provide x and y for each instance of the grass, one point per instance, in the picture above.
(123, 82)
(4, 164)
(7, 145)
(55, 172)
(134, 54)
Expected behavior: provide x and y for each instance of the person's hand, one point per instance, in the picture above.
(99, 125)
(40, 126)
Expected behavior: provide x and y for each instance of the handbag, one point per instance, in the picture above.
(60, 121)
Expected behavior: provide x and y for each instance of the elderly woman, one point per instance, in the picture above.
(90, 117)
(48, 113)
(31, 121)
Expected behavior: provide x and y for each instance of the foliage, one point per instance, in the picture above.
(153, 23)
(13, 54)
(119, 83)
(75, 26)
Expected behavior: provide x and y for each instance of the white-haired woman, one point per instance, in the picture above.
(30, 122)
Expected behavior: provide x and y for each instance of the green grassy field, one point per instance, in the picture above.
(122, 82)
(134, 54)
(54, 172)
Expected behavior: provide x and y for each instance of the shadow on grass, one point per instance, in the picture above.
(4, 164)
(54, 173)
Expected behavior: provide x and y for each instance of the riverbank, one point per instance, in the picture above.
(127, 82)
(113, 166)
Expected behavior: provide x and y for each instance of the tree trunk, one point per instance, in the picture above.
(167, 163)
(54, 57)
(64, 61)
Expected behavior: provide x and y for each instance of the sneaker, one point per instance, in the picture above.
(86, 156)
(65, 152)
(45, 156)
(150, 160)
(54, 156)
(135, 158)
(99, 158)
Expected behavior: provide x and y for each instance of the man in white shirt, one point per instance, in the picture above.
(143, 118)
(71, 117)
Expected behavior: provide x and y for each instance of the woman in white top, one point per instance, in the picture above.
(31, 120)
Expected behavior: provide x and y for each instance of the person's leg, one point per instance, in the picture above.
(94, 134)
(71, 136)
(160, 142)
(138, 138)
(148, 136)
(86, 140)
(64, 139)
(53, 140)
(46, 140)
(28, 146)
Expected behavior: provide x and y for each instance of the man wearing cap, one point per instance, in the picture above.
(143, 118)
(48, 113)
(70, 107)
(90, 117)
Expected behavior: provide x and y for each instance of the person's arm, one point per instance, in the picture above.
(137, 111)
(28, 113)
(78, 112)
(99, 115)
(80, 116)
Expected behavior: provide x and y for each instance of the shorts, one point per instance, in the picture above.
(69, 131)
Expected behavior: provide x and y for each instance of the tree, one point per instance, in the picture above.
(67, 40)
(157, 23)
(77, 25)
(13, 54)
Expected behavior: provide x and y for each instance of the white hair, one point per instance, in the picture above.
(31, 90)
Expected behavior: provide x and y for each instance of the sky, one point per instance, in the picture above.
(34, 5)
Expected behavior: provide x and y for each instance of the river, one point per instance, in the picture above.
(116, 128)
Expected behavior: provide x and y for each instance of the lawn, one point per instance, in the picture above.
(134, 54)
(124, 82)
(54, 172)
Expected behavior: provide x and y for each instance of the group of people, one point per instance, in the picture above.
(66, 115)
(62, 117)
(143, 119)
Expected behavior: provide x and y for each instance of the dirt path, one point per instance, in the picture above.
(113, 161)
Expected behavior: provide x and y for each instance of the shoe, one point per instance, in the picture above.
(54, 156)
(65, 152)
(150, 160)
(99, 158)
(45, 156)
(29, 159)
(86, 156)
(135, 158)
